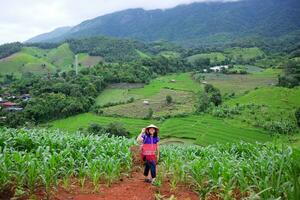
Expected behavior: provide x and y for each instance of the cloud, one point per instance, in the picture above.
(22, 19)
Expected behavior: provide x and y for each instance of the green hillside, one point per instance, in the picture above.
(62, 57)
(244, 54)
(215, 57)
(269, 104)
(22, 62)
(85, 60)
(202, 130)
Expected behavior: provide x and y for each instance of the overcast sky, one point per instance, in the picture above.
(23, 19)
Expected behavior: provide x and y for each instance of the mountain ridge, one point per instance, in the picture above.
(195, 22)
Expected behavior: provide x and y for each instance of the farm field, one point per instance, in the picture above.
(238, 84)
(244, 54)
(203, 130)
(215, 57)
(39, 163)
(182, 90)
(183, 102)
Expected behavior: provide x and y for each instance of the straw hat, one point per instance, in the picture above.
(152, 126)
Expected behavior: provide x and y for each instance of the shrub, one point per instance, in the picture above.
(280, 127)
(117, 128)
(297, 115)
(149, 114)
(96, 129)
(169, 99)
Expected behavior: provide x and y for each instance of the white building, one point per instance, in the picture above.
(219, 68)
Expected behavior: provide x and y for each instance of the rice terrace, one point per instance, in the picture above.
(179, 100)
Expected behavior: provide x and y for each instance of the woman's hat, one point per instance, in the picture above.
(152, 126)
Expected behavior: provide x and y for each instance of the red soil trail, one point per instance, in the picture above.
(132, 188)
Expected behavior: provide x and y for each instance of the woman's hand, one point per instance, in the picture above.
(140, 138)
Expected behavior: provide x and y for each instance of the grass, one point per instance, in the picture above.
(62, 57)
(278, 104)
(114, 95)
(72, 124)
(246, 54)
(208, 130)
(170, 54)
(142, 54)
(215, 57)
(182, 91)
(183, 102)
(85, 60)
(241, 83)
(40, 61)
(183, 82)
(22, 62)
(277, 97)
(203, 130)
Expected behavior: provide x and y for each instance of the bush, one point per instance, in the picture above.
(203, 102)
(210, 97)
(297, 115)
(96, 129)
(117, 128)
(149, 114)
(169, 99)
(227, 112)
(280, 127)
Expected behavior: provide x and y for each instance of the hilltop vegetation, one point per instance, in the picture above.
(252, 22)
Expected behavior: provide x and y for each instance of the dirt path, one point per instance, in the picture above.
(131, 188)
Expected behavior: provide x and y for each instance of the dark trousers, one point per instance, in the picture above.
(150, 165)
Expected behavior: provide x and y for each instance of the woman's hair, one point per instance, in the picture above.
(148, 133)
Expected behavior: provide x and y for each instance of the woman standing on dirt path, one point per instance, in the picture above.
(150, 150)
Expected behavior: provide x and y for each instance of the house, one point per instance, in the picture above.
(12, 109)
(173, 81)
(1, 100)
(8, 104)
(145, 102)
(218, 68)
(25, 97)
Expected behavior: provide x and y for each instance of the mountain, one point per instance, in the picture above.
(48, 36)
(215, 22)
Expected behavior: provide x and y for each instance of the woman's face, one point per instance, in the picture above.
(151, 131)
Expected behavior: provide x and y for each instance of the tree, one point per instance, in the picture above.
(297, 115)
(203, 102)
(210, 97)
(96, 129)
(149, 114)
(169, 99)
(117, 128)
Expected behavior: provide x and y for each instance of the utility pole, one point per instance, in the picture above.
(76, 64)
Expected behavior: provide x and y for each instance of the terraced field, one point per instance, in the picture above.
(201, 130)
(183, 102)
(229, 83)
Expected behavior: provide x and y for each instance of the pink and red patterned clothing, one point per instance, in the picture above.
(149, 147)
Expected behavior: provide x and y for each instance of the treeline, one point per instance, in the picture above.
(111, 49)
(9, 49)
(64, 94)
(291, 76)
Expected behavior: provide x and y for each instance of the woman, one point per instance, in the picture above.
(150, 150)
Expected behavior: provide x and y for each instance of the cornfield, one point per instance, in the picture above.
(31, 159)
(252, 171)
